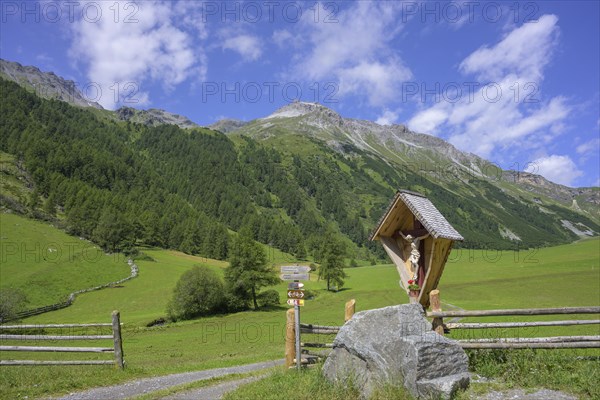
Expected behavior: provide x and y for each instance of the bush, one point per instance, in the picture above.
(12, 301)
(268, 298)
(198, 292)
(141, 256)
(310, 294)
(234, 302)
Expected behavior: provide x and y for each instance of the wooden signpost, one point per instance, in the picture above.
(294, 269)
(294, 277)
(295, 294)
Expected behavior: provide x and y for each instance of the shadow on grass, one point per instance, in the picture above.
(336, 291)
(271, 308)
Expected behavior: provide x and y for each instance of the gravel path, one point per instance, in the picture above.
(520, 394)
(215, 392)
(147, 385)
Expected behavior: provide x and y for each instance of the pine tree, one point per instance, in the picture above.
(332, 265)
(34, 200)
(112, 231)
(248, 271)
(50, 205)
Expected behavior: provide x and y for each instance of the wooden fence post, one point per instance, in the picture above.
(434, 301)
(116, 328)
(349, 311)
(290, 338)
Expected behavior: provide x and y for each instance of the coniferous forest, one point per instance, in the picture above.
(124, 184)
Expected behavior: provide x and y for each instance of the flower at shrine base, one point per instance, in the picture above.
(412, 285)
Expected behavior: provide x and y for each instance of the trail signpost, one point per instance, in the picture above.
(294, 277)
(294, 269)
(295, 294)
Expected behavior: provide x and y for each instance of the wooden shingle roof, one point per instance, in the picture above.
(424, 210)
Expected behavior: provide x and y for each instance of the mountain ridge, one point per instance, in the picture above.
(45, 84)
(405, 147)
(344, 170)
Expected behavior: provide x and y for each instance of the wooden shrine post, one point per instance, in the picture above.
(438, 322)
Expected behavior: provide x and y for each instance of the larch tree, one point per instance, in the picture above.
(333, 252)
(248, 270)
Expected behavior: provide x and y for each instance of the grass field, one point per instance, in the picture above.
(47, 264)
(562, 276)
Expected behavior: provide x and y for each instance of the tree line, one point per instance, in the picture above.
(123, 184)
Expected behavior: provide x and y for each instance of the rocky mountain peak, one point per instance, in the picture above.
(154, 117)
(227, 125)
(299, 108)
(45, 84)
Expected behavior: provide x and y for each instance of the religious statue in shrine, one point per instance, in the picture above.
(415, 255)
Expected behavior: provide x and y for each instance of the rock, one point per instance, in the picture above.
(396, 344)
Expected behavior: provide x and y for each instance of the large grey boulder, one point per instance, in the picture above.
(396, 345)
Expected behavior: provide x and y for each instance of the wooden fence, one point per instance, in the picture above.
(64, 304)
(117, 348)
(556, 342)
(437, 315)
(290, 350)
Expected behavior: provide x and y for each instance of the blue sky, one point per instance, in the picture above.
(514, 82)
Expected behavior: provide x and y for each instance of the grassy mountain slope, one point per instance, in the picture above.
(490, 207)
(47, 264)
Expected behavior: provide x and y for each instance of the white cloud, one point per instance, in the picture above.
(506, 111)
(428, 120)
(559, 169)
(376, 80)
(590, 147)
(283, 38)
(248, 46)
(388, 117)
(525, 51)
(151, 50)
(354, 51)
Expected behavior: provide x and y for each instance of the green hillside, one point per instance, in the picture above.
(123, 185)
(47, 264)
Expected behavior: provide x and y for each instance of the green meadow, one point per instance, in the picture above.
(566, 275)
(47, 264)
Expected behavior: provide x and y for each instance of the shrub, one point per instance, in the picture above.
(198, 292)
(141, 256)
(234, 302)
(12, 301)
(310, 294)
(268, 298)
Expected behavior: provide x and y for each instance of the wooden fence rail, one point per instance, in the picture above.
(531, 345)
(553, 339)
(492, 325)
(557, 342)
(54, 337)
(518, 311)
(117, 348)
